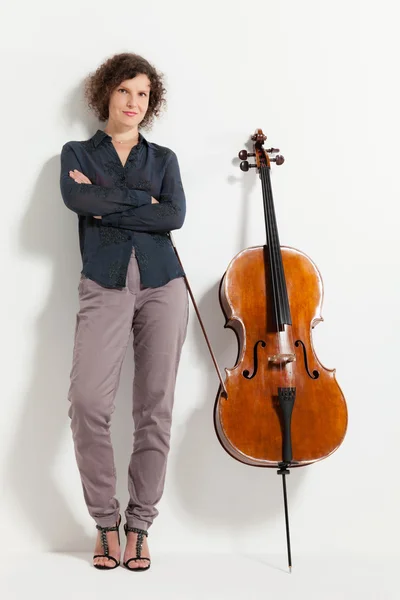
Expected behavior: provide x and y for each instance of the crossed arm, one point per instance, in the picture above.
(125, 208)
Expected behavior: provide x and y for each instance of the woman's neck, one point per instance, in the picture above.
(121, 135)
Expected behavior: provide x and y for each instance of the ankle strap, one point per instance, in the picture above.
(135, 530)
(100, 528)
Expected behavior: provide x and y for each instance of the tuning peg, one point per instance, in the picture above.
(243, 154)
(279, 160)
(245, 165)
(272, 150)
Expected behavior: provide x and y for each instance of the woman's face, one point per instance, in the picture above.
(131, 96)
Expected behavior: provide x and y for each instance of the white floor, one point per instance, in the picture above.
(200, 577)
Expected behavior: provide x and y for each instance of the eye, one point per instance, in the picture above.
(122, 89)
(143, 94)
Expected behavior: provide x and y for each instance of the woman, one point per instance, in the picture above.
(128, 195)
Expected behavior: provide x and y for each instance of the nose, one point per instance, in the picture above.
(133, 103)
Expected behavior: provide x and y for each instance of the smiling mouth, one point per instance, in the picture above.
(130, 114)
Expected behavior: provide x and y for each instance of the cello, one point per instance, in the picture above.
(278, 407)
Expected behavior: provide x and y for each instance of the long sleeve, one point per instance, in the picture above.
(95, 200)
(169, 214)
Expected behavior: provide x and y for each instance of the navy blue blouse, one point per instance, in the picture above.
(121, 195)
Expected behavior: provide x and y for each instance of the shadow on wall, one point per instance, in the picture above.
(49, 230)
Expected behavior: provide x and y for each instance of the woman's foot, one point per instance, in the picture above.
(131, 551)
(113, 549)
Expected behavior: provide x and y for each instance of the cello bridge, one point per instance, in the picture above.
(281, 359)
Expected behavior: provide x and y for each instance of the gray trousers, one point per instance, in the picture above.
(106, 317)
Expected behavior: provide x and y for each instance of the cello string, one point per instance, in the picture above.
(276, 250)
(272, 254)
(269, 243)
(289, 347)
(270, 246)
(280, 274)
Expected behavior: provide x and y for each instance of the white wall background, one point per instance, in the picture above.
(321, 80)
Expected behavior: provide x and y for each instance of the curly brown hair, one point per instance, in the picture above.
(100, 84)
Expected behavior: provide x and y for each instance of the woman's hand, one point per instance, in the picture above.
(79, 177)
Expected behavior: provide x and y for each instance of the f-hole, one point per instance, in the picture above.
(246, 373)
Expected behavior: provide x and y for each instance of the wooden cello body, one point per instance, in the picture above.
(280, 405)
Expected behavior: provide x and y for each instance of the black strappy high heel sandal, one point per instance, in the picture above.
(139, 543)
(104, 543)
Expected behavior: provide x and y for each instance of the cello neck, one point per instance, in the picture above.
(274, 255)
